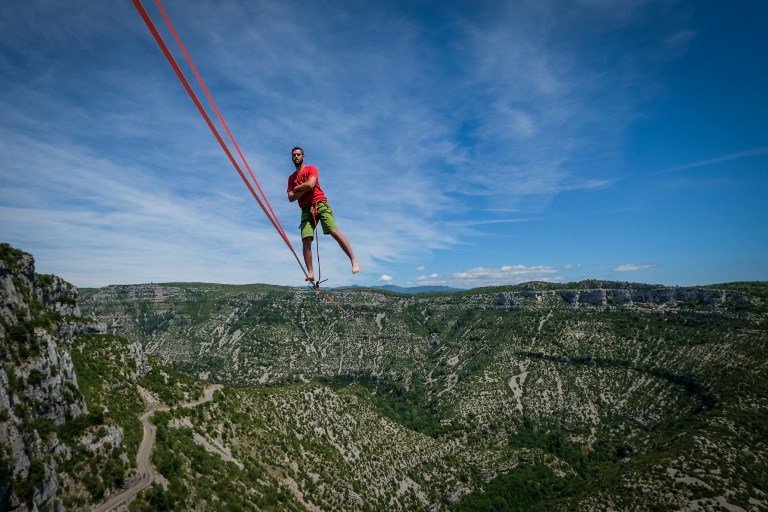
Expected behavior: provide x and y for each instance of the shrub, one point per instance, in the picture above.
(35, 377)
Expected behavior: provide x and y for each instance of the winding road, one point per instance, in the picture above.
(143, 466)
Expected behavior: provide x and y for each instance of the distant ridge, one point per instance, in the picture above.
(413, 290)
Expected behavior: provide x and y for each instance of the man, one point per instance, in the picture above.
(303, 185)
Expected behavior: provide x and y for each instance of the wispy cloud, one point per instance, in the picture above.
(529, 104)
(677, 44)
(489, 276)
(110, 176)
(162, 184)
(711, 161)
(496, 221)
(386, 278)
(631, 267)
(98, 215)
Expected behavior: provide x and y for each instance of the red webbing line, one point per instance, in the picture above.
(218, 112)
(332, 301)
(196, 101)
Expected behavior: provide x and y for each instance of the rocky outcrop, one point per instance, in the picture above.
(38, 386)
(619, 294)
(17, 273)
(57, 295)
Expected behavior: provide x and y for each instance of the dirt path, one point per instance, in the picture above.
(145, 449)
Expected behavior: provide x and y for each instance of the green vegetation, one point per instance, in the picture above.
(607, 393)
(214, 485)
(23, 342)
(12, 257)
(105, 377)
(171, 386)
(25, 487)
(393, 401)
(70, 430)
(526, 488)
(106, 381)
(519, 394)
(535, 485)
(262, 311)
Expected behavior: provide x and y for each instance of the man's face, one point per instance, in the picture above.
(298, 157)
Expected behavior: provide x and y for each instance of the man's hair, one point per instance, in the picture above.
(297, 147)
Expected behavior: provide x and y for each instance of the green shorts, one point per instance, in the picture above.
(324, 214)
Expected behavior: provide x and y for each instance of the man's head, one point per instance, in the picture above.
(297, 155)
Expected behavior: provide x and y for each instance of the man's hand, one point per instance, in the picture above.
(300, 190)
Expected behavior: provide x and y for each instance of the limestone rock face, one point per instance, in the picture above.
(16, 276)
(612, 294)
(38, 315)
(57, 295)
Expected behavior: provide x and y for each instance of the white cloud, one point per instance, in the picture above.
(95, 222)
(490, 276)
(631, 267)
(148, 181)
(146, 194)
(385, 278)
(568, 265)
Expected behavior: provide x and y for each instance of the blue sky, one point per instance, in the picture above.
(460, 143)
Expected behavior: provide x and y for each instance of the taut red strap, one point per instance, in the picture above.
(332, 300)
(218, 112)
(207, 119)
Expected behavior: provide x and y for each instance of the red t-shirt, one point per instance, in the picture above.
(302, 175)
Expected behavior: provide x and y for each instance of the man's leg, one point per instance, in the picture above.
(344, 244)
(307, 249)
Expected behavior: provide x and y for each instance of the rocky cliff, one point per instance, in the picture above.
(44, 416)
(607, 294)
(38, 317)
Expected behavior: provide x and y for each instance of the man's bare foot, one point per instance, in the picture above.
(355, 267)
(310, 278)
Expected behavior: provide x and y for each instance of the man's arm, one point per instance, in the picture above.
(300, 190)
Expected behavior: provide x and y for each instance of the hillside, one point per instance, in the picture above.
(608, 395)
(583, 396)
